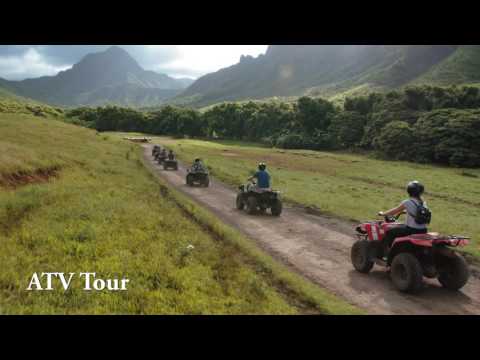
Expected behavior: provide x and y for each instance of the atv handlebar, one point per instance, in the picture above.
(391, 219)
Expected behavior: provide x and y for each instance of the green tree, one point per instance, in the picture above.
(449, 136)
(396, 140)
(314, 114)
(347, 128)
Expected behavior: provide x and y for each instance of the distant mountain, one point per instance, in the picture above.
(295, 70)
(462, 67)
(109, 77)
(7, 94)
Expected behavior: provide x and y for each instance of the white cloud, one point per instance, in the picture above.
(29, 64)
(198, 60)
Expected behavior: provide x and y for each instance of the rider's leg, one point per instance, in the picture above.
(393, 233)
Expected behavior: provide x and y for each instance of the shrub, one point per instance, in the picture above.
(450, 136)
(396, 140)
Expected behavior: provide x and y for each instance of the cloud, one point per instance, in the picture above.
(22, 61)
(198, 60)
(30, 63)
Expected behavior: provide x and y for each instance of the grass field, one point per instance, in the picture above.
(72, 200)
(348, 186)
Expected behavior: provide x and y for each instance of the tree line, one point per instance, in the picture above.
(420, 124)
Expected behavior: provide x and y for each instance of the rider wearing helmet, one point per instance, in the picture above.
(262, 176)
(410, 206)
(156, 149)
(171, 156)
(198, 166)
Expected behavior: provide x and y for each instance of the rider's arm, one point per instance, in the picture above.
(392, 212)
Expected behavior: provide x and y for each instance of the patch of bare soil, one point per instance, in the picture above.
(13, 181)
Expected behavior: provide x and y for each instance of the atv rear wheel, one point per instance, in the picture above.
(406, 272)
(251, 205)
(454, 273)
(206, 183)
(239, 202)
(276, 208)
(360, 256)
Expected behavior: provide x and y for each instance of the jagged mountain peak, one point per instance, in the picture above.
(110, 76)
(113, 59)
(324, 70)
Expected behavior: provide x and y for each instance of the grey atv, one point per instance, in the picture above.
(170, 164)
(255, 201)
(200, 177)
(156, 150)
(160, 157)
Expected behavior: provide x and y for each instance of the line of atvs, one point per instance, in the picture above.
(249, 197)
(167, 159)
(195, 176)
(409, 259)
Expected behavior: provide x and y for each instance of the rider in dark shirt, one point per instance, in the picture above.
(262, 176)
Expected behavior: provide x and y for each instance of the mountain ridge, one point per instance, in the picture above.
(323, 70)
(94, 77)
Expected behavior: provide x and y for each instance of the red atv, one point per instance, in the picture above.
(410, 257)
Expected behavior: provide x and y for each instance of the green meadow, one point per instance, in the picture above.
(73, 200)
(353, 187)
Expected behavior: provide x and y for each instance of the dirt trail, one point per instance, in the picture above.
(319, 249)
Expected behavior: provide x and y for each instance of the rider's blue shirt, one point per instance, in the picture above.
(263, 179)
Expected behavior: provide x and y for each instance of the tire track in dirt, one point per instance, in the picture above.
(319, 249)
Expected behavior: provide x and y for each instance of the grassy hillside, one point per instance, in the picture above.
(8, 95)
(349, 186)
(72, 200)
(318, 70)
(462, 67)
(13, 106)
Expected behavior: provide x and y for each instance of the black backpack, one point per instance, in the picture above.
(423, 215)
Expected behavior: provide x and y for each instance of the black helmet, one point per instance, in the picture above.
(415, 188)
(197, 160)
(262, 166)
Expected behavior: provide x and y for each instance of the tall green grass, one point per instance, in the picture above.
(104, 213)
(349, 186)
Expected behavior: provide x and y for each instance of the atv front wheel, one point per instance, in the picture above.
(276, 208)
(189, 180)
(454, 273)
(207, 182)
(251, 205)
(360, 256)
(406, 272)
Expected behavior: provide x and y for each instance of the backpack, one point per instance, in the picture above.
(423, 215)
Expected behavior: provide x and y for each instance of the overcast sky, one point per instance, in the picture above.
(18, 62)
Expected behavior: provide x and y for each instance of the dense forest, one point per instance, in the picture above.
(418, 123)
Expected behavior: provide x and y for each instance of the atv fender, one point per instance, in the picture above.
(444, 251)
(400, 247)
